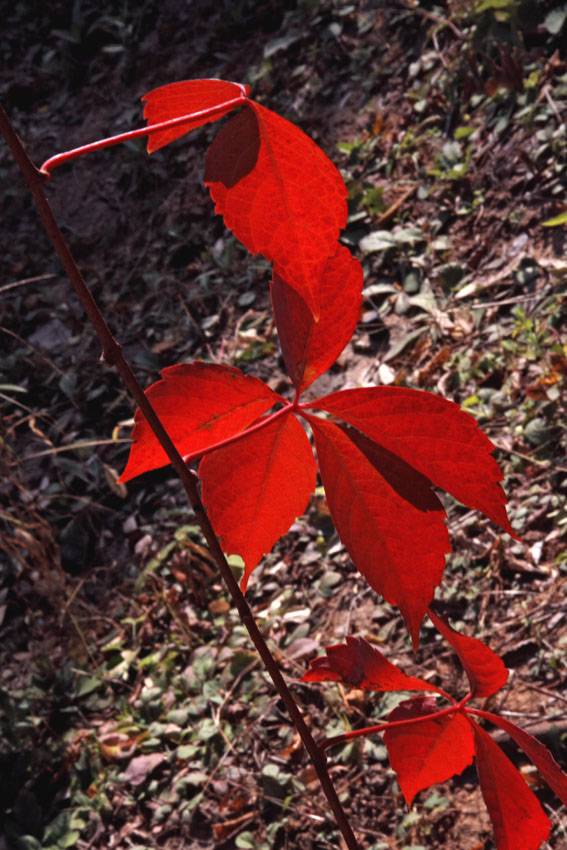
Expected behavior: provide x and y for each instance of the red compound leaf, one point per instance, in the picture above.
(199, 404)
(485, 670)
(387, 516)
(431, 434)
(361, 665)
(310, 347)
(279, 194)
(185, 98)
(255, 488)
(519, 821)
(429, 751)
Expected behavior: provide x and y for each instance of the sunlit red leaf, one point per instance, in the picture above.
(199, 404)
(361, 665)
(255, 488)
(387, 516)
(536, 752)
(310, 347)
(185, 98)
(485, 670)
(279, 194)
(431, 434)
(429, 751)
(519, 821)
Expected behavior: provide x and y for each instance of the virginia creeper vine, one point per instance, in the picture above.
(380, 450)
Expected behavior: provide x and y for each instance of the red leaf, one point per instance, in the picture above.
(310, 347)
(429, 751)
(536, 752)
(279, 194)
(433, 435)
(518, 819)
(485, 670)
(199, 404)
(363, 666)
(255, 488)
(184, 98)
(387, 516)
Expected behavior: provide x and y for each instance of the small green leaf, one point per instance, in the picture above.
(86, 685)
(378, 240)
(69, 839)
(28, 842)
(186, 751)
(329, 582)
(464, 132)
(556, 220)
(494, 4)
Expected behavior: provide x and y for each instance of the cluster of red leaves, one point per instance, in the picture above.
(276, 189)
(384, 448)
(380, 451)
(426, 744)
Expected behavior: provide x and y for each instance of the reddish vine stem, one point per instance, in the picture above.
(486, 715)
(228, 441)
(389, 724)
(112, 355)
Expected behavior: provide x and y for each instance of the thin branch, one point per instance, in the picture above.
(25, 281)
(112, 355)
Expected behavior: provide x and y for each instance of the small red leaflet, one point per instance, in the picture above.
(276, 189)
(189, 96)
(280, 195)
(427, 752)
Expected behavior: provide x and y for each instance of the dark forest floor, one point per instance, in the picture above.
(133, 711)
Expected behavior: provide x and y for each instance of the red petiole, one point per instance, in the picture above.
(258, 426)
(288, 407)
(381, 727)
(61, 158)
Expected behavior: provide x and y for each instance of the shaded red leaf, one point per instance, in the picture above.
(429, 751)
(434, 436)
(387, 516)
(519, 821)
(485, 670)
(361, 665)
(310, 347)
(279, 194)
(254, 489)
(199, 404)
(184, 98)
(535, 751)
